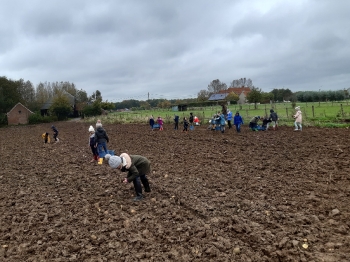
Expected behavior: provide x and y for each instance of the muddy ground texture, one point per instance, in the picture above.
(254, 196)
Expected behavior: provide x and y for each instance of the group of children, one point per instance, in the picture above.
(46, 136)
(273, 119)
(156, 124)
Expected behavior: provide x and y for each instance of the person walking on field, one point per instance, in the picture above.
(176, 122)
(101, 139)
(160, 123)
(92, 144)
(274, 119)
(55, 133)
(298, 119)
(137, 167)
(185, 125)
(238, 121)
(191, 119)
(229, 119)
(221, 120)
(151, 122)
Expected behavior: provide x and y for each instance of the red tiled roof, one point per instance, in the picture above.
(236, 90)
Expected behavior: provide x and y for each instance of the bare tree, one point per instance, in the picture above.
(215, 86)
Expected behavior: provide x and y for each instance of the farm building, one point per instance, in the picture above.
(44, 110)
(19, 114)
(242, 93)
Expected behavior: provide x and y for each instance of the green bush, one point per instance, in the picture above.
(3, 120)
(37, 119)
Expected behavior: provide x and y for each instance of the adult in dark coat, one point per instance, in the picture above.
(101, 140)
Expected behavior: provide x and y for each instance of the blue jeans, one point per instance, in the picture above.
(100, 146)
(238, 128)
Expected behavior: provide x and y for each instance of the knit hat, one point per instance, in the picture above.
(91, 129)
(107, 156)
(271, 111)
(297, 108)
(114, 161)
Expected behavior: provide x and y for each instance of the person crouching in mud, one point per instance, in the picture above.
(137, 167)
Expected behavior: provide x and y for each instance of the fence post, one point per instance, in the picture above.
(313, 111)
(341, 108)
(287, 111)
(247, 112)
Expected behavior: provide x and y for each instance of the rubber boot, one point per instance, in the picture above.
(138, 189)
(145, 183)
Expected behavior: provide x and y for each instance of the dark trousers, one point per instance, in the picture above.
(55, 136)
(253, 125)
(176, 126)
(94, 152)
(229, 124)
(137, 184)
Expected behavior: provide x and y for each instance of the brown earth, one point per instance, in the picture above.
(257, 196)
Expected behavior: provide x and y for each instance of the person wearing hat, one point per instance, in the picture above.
(274, 119)
(238, 121)
(55, 133)
(92, 144)
(298, 119)
(101, 139)
(253, 124)
(137, 167)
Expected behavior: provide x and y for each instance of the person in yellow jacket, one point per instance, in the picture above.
(46, 137)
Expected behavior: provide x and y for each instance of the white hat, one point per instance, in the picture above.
(297, 108)
(91, 129)
(114, 161)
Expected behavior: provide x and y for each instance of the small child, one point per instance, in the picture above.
(185, 125)
(298, 119)
(46, 137)
(265, 123)
(176, 122)
(151, 122)
(238, 121)
(92, 144)
(160, 122)
(253, 125)
(55, 133)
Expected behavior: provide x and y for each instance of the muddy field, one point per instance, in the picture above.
(254, 196)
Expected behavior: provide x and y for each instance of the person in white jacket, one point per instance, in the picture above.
(298, 119)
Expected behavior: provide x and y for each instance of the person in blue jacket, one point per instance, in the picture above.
(221, 121)
(238, 121)
(229, 119)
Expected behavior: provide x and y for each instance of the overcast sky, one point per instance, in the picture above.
(173, 49)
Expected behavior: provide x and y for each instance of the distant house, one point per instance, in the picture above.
(182, 107)
(44, 110)
(19, 114)
(242, 93)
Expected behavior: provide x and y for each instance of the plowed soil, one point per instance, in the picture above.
(254, 196)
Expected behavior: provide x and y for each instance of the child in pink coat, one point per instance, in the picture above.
(298, 119)
(160, 122)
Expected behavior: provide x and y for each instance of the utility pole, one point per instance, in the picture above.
(148, 96)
